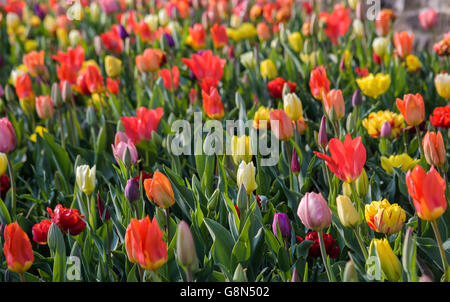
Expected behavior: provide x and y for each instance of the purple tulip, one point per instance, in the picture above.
(122, 32)
(295, 165)
(386, 130)
(314, 212)
(132, 190)
(323, 138)
(38, 11)
(169, 40)
(284, 224)
(357, 98)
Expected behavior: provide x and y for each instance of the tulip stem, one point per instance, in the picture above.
(360, 241)
(167, 224)
(441, 248)
(420, 142)
(13, 186)
(188, 274)
(61, 125)
(355, 194)
(324, 257)
(22, 277)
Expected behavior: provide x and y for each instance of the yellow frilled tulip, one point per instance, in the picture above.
(390, 265)
(268, 69)
(262, 114)
(403, 161)
(348, 215)
(374, 86)
(442, 84)
(3, 163)
(241, 149)
(38, 130)
(86, 178)
(296, 41)
(413, 63)
(293, 106)
(246, 176)
(385, 218)
(245, 31)
(375, 121)
(112, 66)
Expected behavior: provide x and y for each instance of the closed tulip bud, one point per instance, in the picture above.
(112, 66)
(152, 22)
(295, 277)
(159, 190)
(75, 37)
(362, 184)
(386, 130)
(434, 149)
(314, 25)
(98, 45)
(239, 274)
(295, 165)
(314, 212)
(185, 245)
(123, 32)
(334, 105)
(357, 98)
(91, 116)
(132, 192)
(3, 163)
(12, 21)
(281, 220)
(9, 94)
(281, 125)
(380, 45)
(163, 17)
(246, 176)
(66, 92)
(56, 95)
(358, 28)
(412, 108)
(348, 215)
(94, 11)
(8, 140)
(85, 177)
(347, 189)
(268, 69)
(241, 149)
(248, 60)
(350, 273)
(390, 265)
(441, 83)
(17, 249)
(296, 41)
(323, 138)
(293, 106)
(44, 107)
(409, 252)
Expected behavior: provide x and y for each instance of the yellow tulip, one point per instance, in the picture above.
(390, 265)
(12, 21)
(243, 32)
(374, 86)
(296, 41)
(3, 163)
(268, 69)
(293, 106)
(390, 220)
(246, 176)
(403, 161)
(86, 178)
(348, 215)
(241, 149)
(30, 45)
(413, 63)
(50, 23)
(262, 114)
(62, 36)
(112, 66)
(38, 130)
(442, 84)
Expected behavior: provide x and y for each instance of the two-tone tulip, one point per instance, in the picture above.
(334, 105)
(8, 139)
(17, 249)
(159, 190)
(434, 149)
(44, 107)
(246, 176)
(412, 108)
(85, 177)
(185, 245)
(281, 125)
(293, 106)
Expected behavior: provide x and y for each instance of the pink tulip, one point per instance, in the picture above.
(7, 136)
(428, 18)
(122, 143)
(314, 212)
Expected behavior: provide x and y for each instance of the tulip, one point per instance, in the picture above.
(185, 245)
(347, 159)
(442, 84)
(380, 46)
(151, 60)
(434, 149)
(277, 85)
(412, 108)
(241, 149)
(296, 41)
(86, 178)
(212, 104)
(140, 128)
(403, 161)
(403, 42)
(390, 265)
(163, 17)
(66, 92)
(112, 66)
(357, 98)
(248, 60)
(3, 163)
(34, 61)
(263, 31)
(124, 146)
(295, 165)
(75, 37)
(428, 18)
(207, 68)
(295, 277)
(413, 63)
(323, 138)
(24, 88)
(44, 107)
(319, 83)
(268, 69)
(348, 215)
(314, 212)
(12, 21)
(132, 192)
(262, 114)
(427, 191)
(334, 105)
(68, 220)
(246, 176)
(383, 22)
(17, 249)
(144, 244)
(197, 36)
(376, 120)
(358, 28)
(386, 130)
(90, 80)
(301, 125)
(8, 139)
(281, 125)
(293, 106)
(171, 78)
(159, 190)
(243, 32)
(350, 273)
(281, 220)
(374, 86)
(40, 231)
(389, 220)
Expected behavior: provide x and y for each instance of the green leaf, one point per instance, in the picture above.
(223, 242)
(58, 251)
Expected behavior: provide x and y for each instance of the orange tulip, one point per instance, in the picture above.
(34, 61)
(427, 191)
(171, 77)
(151, 60)
(219, 35)
(212, 104)
(144, 244)
(159, 190)
(17, 249)
(281, 125)
(383, 22)
(263, 31)
(412, 108)
(44, 107)
(434, 149)
(334, 99)
(197, 36)
(90, 80)
(24, 89)
(403, 42)
(319, 83)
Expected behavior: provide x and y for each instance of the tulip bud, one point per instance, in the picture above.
(314, 212)
(292, 105)
(74, 37)
(357, 98)
(362, 184)
(390, 265)
(132, 190)
(295, 276)
(358, 28)
(268, 69)
(295, 165)
(409, 253)
(348, 215)
(44, 107)
(85, 177)
(386, 130)
(347, 189)
(9, 94)
(66, 92)
(314, 25)
(169, 40)
(380, 45)
(152, 22)
(239, 274)
(159, 190)
(94, 11)
(3, 163)
(98, 45)
(246, 176)
(122, 32)
(323, 138)
(281, 220)
(8, 140)
(350, 273)
(56, 95)
(91, 116)
(434, 149)
(112, 66)
(185, 245)
(101, 208)
(163, 17)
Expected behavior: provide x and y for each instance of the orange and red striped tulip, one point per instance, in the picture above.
(144, 244)
(212, 104)
(434, 149)
(412, 108)
(403, 42)
(427, 191)
(17, 249)
(159, 190)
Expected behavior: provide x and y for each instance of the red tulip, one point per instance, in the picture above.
(412, 108)
(113, 85)
(219, 35)
(319, 83)
(40, 231)
(70, 63)
(140, 128)
(24, 89)
(171, 78)
(17, 249)
(144, 244)
(111, 40)
(8, 139)
(337, 23)
(281, 125)
(212, 104)
(275, 87)
(427, 191)
(197, 36)
(347, 159)
(207, 68)
(34, 61)
(68, 220)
